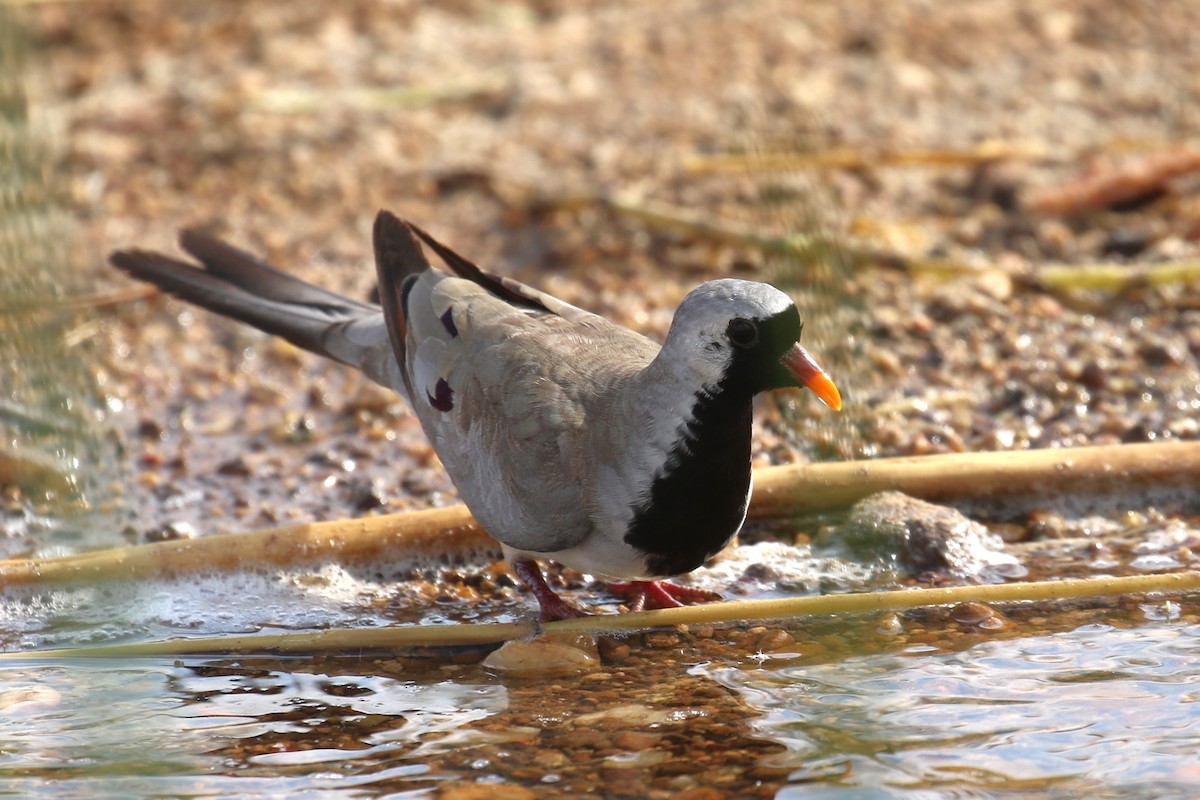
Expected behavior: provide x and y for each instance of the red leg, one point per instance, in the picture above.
(553, 607)
(660, 594)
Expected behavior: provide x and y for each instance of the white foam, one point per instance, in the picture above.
(198, 605)
(788, 569)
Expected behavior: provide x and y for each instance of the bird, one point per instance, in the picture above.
(569, 437)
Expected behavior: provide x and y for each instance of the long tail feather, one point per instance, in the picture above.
(235, 284)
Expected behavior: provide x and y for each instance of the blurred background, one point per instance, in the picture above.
(989, 213)
(910, 172)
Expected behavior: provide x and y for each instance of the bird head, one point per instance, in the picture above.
(746, 334)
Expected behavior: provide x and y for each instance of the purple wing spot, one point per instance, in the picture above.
(448, 323)
(443, 396)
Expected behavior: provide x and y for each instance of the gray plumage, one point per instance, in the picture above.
(554, 423)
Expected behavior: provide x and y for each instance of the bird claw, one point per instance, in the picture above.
(553, 607)
(641, 595)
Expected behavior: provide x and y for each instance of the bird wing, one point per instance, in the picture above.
(507, 382)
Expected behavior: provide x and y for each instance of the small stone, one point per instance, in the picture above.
(1160, 354)
(173, 531)
(1126, 242)
(543, 657)
(236, 466)
(971, 612)
(367, 493)
(584, 739)
(773, 640)
(640, 759)
(623, 716)
(661, 639)
(700, 793)
(1045, 524)
(613, 651)
(1094, 375)
(636, 740)
(996, 622)
(149, 429)
(890, 625)
(485, 791)
(550, 759)
(1046, 306)
(295, 428)
(923, 536)
(1009, 532)
(761, 572)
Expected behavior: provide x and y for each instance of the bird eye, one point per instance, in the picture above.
(743, 333)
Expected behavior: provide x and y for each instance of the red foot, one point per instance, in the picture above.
(553, 607)
(660, 594)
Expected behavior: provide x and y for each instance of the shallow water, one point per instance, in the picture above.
(1090, 712)
(1091, 701)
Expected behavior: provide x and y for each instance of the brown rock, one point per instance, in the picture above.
(485, 791)
(700, 793)
(542, 657)
(636, 740)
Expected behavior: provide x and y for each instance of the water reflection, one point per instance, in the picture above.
(1100, 710)
(106, 726)
(377, 726)
(1041, 713)
(138, 729)
(72, 616)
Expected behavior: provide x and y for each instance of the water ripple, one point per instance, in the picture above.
(1110, 709)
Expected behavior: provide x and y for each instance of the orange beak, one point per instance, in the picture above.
(806, 371)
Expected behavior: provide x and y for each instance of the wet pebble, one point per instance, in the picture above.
(1009, 532)
(367, 492)
(922, 536)
(485, 791)
(295, 428)
(636, 740)
(640, 759)
(700, 793)
(622, 716)
(1045, 524)
(543, 657)
(773, 640)
(550, 759)
(975, 613)
(585, 739)
(613, 651)
(423, 481)
(171, 532)
(661, 639)
(237, 466)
